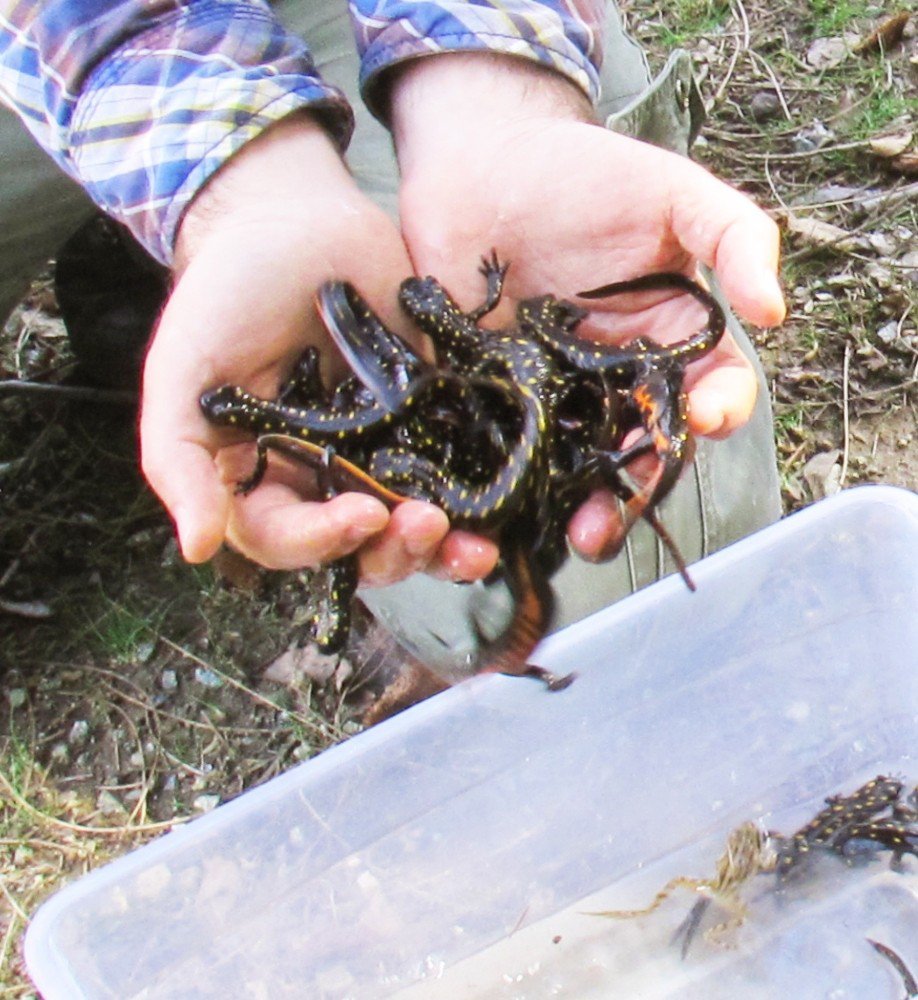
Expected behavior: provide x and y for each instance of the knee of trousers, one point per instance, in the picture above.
(39, 208)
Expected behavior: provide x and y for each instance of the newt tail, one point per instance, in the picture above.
(533, 605)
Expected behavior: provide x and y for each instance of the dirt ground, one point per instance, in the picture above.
(137, 691)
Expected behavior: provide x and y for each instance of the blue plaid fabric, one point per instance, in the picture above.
(140, 101)
(564, 35)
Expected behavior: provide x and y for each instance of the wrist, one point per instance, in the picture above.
(278, 168)
(458, 98)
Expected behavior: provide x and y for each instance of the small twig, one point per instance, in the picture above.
(744, 17)
(13, 567)
(870, 218)
(47, 845)
(78, 392)
(9, 934)
(244, 688)
(139, 813)
(739, 48)
(846, 364)
(789, 462)
(807, 154)
(774, 190)
(887, 390)
(722, 86)
(14, 903)
(903, 193)
(37, 610)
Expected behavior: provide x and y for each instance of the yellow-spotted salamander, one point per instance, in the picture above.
(872, 818)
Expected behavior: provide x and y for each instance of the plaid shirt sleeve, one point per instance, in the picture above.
(564, 35)
(140, 101)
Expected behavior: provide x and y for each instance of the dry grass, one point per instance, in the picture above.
(133, 689)
(810, 140)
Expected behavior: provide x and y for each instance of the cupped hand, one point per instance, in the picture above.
(273, 224)
(498, 153)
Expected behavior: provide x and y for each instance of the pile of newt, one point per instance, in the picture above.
(507, 430)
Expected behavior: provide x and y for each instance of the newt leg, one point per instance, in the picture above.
(494, 273)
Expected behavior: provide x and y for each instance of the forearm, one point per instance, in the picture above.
(142, 102)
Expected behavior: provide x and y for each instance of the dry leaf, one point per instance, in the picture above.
(826, 53)
(885, 36)
(300, 662)
(906, 163)
(888, 146)
(819, 233)
(882, 243)
(236, 570)
(822, 474)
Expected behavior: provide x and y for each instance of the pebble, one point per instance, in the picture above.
(205, 803)
(78, 732)
(765, 105)
(889, 332)
(207, 678)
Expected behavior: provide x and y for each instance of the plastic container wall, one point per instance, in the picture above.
(423, 841)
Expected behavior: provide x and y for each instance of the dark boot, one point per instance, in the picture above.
(110, 292)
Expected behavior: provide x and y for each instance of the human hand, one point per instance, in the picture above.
(498, 153)
(278, 220)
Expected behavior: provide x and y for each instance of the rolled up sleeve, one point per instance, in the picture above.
(142, 102)
(564, 36)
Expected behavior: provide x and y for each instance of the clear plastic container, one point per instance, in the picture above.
(454, 850)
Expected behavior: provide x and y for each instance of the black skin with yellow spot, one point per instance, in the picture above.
(651, 377)
(639, 385)
(356, 428)
(887, 834)
(446, 461)
(508, 431)
(874, 817)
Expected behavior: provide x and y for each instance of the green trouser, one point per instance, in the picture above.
(731, 488)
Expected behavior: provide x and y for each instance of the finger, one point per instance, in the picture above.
(596, 528)
(722, 399)
(418, 538)
(182, 474)
(464, 557)
(275, 527)
(177, 461)
(408, 543)
(746, 261)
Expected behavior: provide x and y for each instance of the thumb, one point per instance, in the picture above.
(725, 230)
